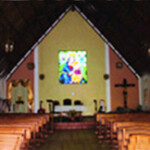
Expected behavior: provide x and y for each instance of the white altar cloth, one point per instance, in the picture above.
(68, 108)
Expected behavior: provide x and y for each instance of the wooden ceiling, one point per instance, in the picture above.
(125, 24)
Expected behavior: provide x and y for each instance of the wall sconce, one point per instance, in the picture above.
(148, 52)
(9, 46)
(106, 76)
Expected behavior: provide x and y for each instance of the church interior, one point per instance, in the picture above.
(74, 75)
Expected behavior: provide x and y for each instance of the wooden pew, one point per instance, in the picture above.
(126, 132)
(10, 141)
(24, 124)
(115, 122)
(41, 119)
(38, 120)
(101, 117)
(115, 125)
(111, 123)
(17, 131)
(29, 127)
(139, 142)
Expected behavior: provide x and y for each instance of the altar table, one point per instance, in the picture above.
(68, 108)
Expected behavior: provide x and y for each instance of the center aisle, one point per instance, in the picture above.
(73, 140)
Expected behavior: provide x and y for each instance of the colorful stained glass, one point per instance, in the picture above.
(72, 67)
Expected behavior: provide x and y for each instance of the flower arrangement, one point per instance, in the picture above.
(72, 114)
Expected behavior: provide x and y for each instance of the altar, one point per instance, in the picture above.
(67, 113)
(68, 108)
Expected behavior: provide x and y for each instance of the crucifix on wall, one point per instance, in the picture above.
(125, 85)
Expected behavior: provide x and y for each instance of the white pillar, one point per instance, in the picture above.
(36, 89)
(140, 91)
(3, 88)
(108, 95)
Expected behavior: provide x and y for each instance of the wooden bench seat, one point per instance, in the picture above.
(41, 120)
(112, 123)
(140, 142)
(102, 117)
(124, 136)
(31, 127)
(11, 139)
(16, 130)
(117, 124)
(120, 127)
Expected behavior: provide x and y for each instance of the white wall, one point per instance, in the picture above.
(145, 81)
(2, 88)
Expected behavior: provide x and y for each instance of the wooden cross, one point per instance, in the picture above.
(125, 85)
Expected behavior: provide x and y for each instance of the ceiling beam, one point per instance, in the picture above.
(22, 15)
(36, 14)
(5, 18)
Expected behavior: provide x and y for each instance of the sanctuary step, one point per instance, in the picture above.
(74, 125)
(67, 119)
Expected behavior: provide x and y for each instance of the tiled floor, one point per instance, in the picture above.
(73, 140)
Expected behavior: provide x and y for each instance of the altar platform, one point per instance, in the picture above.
(87, 122)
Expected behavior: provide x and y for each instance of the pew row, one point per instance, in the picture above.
(10, 141)
(118, 128)
(139, 142)
(33, 128)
